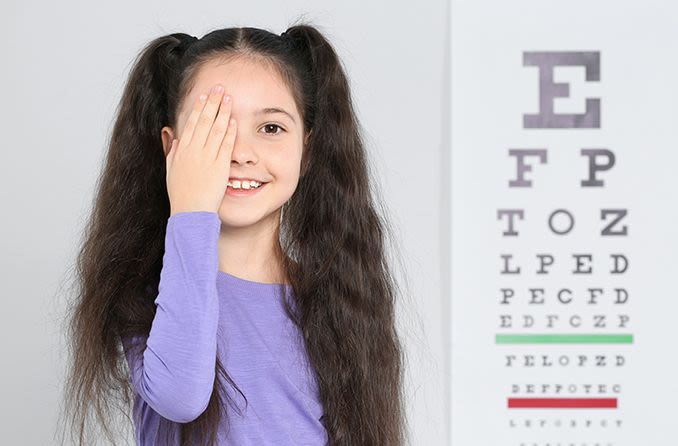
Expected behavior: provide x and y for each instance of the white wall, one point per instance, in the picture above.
(63, 71)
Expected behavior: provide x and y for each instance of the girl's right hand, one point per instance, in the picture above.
(198, 165)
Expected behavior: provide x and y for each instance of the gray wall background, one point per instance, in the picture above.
(64, 67)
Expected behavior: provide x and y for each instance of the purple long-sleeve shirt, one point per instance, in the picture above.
(200, 307)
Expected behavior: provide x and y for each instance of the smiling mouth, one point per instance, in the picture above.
(243, 192)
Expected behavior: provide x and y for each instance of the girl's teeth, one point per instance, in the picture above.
(236, 184)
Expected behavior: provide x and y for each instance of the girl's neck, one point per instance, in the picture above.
(251, 253)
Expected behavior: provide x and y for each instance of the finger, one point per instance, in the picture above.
(219, 127)
(192, 119)
(206, 118)
(226, 148)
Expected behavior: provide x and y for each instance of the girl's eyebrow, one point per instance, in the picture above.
(271, 110)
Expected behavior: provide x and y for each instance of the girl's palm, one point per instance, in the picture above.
(198, 165)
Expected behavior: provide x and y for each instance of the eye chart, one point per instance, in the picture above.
(564, 246)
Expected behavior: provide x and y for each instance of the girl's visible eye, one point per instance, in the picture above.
(273, 126)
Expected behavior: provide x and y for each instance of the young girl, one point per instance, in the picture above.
(234, 284)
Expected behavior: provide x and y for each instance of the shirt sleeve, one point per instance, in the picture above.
(175, 375)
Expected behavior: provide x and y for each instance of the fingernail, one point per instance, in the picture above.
(227, 98)
(218, 89)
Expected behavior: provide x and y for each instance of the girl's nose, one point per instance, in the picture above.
(243, 150)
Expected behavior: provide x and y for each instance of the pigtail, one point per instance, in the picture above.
(134, 175)
(346, 293)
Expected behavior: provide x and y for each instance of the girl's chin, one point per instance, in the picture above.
(240, 217)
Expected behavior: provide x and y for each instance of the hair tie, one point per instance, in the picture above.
(185, 42)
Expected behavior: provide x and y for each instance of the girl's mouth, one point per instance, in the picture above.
(243, 192)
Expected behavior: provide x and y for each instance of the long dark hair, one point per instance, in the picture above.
(332, 243)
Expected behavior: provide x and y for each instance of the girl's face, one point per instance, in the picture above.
(268, 144)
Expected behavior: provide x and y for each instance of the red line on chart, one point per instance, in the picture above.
(562, 403)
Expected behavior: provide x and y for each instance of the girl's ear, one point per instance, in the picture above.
(167, 136)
